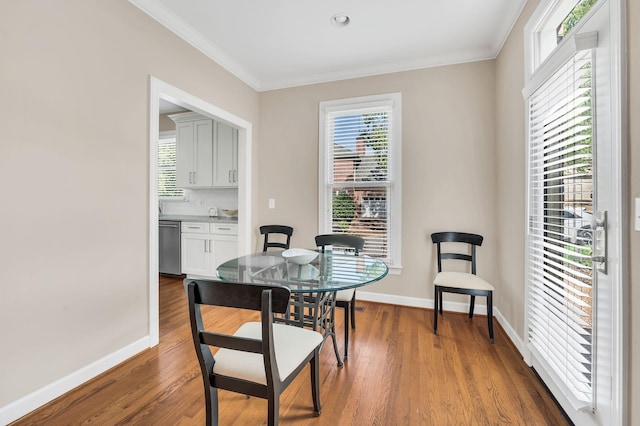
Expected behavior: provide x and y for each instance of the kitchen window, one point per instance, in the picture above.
(167, 189)
(360, 185)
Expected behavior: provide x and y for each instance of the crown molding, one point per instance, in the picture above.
(175, 24)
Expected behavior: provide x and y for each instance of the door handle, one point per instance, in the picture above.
(599, 244)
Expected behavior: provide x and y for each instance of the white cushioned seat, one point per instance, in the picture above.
(462, 280)
(291, 345)
(345, 295)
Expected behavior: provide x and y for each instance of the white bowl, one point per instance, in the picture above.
(299, 256)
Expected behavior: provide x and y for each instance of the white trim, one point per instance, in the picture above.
(618, 31)
(38, 398)
(159, 89)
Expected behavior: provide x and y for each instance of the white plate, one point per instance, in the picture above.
(299, 256)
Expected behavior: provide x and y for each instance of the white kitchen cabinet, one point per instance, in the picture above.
(225, 156)
(207, 245)
(194, 153)
(206, 152)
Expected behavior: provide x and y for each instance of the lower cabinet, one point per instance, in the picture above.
(207, 245)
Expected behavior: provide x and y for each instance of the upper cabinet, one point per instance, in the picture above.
(225, 156)
(206, 152)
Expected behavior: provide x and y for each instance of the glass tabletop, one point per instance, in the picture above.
(328, 272)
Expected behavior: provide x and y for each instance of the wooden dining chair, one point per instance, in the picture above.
(345, 299)
(285, 232)
(460, 282)
(261, 358)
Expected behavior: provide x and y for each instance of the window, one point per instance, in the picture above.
(360, 154)
(167, 189)
(551, 25)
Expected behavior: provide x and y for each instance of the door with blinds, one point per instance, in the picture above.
(572, 186)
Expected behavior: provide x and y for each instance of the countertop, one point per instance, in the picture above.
(194, 218)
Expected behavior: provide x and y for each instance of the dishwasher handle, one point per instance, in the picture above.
(162, 225)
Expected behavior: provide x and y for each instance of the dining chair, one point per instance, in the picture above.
(345, 299)
(261, 358)
(460, 282)
(285, 232)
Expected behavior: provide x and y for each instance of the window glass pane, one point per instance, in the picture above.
(570, 21)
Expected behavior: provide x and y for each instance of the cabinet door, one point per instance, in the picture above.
(225, 247)
(225, 156)
(203, 147)
(197, 255)
(184, 154)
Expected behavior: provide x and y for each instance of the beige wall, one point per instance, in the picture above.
(511, 179)
(448, 162)
(74, 159)
(165, 124)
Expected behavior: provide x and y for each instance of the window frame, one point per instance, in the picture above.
(394, 197)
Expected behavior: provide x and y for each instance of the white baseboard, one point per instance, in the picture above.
(416, 302)
(25, 405)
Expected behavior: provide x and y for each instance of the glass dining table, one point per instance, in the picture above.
(313, 286)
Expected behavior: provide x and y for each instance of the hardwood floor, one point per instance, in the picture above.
(398, 373)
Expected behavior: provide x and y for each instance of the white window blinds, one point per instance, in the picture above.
(560, 274)
(167, 169)
(358, 182)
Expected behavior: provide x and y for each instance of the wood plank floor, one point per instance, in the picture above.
(398, 373)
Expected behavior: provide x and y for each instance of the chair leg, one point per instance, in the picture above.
(471, 306)
(490, 314)
(211, 395)
(435, 310)
(315, 382)
(353, 311)
(346, 330)
(440, 296)
(273, 401)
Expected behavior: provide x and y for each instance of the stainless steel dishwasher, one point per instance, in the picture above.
(169, 247)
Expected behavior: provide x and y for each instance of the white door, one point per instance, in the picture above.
(575, 307)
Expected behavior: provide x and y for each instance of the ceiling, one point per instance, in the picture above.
(272, 44)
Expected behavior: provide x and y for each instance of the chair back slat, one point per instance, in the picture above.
(231, 342)
(239, 295)
(272, 230)
(473, 240)
(345, 240)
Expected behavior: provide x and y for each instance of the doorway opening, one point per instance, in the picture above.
(159, 90)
